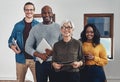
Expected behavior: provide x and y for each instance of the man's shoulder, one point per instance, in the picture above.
(35, 21)
(36, 27)
(22, 22)
(19, 22)
(56, 24)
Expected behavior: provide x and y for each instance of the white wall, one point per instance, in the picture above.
(12, 11)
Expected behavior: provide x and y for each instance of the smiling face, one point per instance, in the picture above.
(67, 29)
(89, 33)
(47, 15)
(29, 10)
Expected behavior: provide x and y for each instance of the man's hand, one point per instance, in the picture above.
(43, 56)
(48, 52)
(14, 48)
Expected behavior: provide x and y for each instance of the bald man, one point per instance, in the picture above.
(50, 32)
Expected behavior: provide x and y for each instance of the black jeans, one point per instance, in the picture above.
(64, 76)
(43, 71)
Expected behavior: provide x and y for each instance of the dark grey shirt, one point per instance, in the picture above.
(67, 52)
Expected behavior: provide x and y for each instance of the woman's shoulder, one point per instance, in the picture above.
(77, 41)
(58, 43)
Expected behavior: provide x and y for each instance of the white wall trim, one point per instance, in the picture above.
(14, 78)
(7, 78)
(113, 78)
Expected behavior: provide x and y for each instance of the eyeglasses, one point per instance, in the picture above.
(66, 27)
(29, 9)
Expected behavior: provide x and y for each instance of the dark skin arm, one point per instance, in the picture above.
(43, 56)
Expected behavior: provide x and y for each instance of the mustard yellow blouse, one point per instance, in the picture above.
(99, 52)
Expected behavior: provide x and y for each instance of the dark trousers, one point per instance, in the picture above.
(92, 73)
(63, 76)
(43, 71)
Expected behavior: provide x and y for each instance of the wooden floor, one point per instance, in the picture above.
(11, 81)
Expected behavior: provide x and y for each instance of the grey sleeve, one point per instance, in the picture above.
(30, 42)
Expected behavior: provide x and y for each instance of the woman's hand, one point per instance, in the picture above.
(56, 65)
(89, 56)
(77, 64)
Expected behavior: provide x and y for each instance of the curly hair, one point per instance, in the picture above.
(96, 38)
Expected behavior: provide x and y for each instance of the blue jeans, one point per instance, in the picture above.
(43, 71)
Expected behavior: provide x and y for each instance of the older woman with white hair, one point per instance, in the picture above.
(67, 55)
